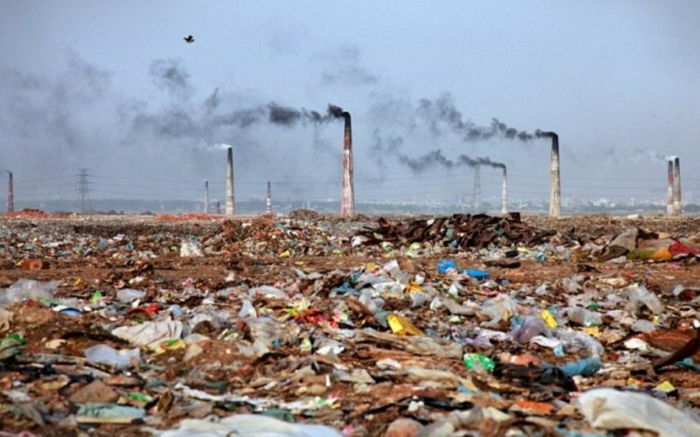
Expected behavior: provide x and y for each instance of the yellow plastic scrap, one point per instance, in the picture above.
(549, 319)
(506, 315)
(593, 331)
(285, 254)
(413, 286)
(402, 326)
(665, 387)
(171, 344)
(371, 267)
(631, 382)
(662, 255)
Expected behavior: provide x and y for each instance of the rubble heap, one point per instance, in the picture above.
(464, 231)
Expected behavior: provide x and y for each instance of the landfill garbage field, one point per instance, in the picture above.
(311, 325)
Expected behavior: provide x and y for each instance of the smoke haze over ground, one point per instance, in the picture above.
(105, 88)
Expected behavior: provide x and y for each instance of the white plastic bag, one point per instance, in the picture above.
(607, 408)
(248, 425)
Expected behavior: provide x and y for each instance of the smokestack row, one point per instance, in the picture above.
(554, 178)
(206, 196)
(10, 193)
(347, 195)
(229, 182)
(268, 199)
(669, 190)
(504, 192)
(476, 194)
(673, 202)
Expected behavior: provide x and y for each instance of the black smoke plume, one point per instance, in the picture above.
(435, 158)
(441, 114)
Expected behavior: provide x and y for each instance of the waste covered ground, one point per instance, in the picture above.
(310, 325)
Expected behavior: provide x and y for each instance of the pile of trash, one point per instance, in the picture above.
(637, 244)
(280, 238)
(462, 231)
(208, 330)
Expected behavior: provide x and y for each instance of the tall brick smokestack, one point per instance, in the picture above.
(268, 199)
(677, 209)
(554, 179)
(229, 182)
(347, 199)
(670, 189)
(476, 194)
(504, 192)
(206, 196)
(10, 193)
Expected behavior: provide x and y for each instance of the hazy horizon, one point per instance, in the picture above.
(115, 89)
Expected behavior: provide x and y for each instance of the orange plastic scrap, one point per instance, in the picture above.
(400, 325)
(662, 255)
(33, 264)
(534, 408)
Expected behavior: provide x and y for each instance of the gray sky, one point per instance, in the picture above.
(114, 88)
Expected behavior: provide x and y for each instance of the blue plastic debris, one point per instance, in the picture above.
(584, 367)
(445, 264)
(70, 311)
(478, 274)
(690, 364)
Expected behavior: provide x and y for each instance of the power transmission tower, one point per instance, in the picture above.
(84, 189)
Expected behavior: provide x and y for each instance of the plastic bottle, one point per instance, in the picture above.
(104, 354)
(579, 342)
(583, 317)
(639, 296)
(529, 328)
(642, 326)
(129, 295)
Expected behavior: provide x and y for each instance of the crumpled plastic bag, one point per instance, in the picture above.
(639, 297)
(191, 249)
(150, 333)
(28, 289)
(501, 307)
(607, 408)
(110, 411)
(247, 425)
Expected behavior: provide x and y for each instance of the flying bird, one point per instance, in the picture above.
(189, 39)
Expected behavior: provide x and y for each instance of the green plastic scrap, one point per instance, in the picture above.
(11, 345)
(139, 397)
(96, 296)
(478, 362)
(281, 414)
(110, 411)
